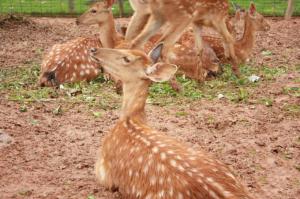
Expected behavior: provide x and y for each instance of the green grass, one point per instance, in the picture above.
(19, 84)
(51, 7)
(60, 7)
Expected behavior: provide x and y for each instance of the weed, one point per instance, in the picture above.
(97, 114)
(23, 108)
(292, 109)
(267, 102)
(57, 111)
(292, 91)
(181, 113)
(19, 84)
(91, 196)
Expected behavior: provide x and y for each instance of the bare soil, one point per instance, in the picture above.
(43, 155)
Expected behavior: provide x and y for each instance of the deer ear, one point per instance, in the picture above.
(237, 15)
(161, 72)
(155, 53)
(109, 3)
(252, 9)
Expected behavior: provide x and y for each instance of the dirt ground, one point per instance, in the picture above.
(43, 155)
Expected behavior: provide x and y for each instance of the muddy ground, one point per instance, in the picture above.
(43, 155)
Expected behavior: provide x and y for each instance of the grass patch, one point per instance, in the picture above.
(19, 84)
(292, 109)
(292, 91)
(52, 7)
(60, 7)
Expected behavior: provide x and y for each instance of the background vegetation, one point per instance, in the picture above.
(63, 8)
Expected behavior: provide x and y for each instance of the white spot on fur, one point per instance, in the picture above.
(163, 156)
(155, 149)
(173, 163)
(152, 180)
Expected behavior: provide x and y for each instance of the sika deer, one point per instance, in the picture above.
(69, 62)
(100, 14)
(147, 164)
(253, 21)
(179, 14)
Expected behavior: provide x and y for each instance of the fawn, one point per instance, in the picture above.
(69, 62)
(179, 14)
(253, 21)
(147, 164)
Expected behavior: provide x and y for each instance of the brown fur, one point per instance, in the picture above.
(147, 164)
(77, 71)
(243, 47)
(178, 14)
(70, 62)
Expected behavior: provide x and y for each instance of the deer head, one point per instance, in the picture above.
(259, 22)
(134, 65)
(98, 13)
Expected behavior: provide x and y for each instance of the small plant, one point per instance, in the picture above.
(292, 109)
(181, 113)
(91, 197)
(57, 111)
(293, 91)
(23, 108)
(267, 102)
(97, 114)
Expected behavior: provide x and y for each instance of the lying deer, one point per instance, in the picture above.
(179, 14)
(147, 164)
(253, 21)
(99, 13)
(69, 62)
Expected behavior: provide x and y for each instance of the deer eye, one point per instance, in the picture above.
(126, 60)
(93, 11)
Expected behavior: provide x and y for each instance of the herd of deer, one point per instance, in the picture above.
(135, 159)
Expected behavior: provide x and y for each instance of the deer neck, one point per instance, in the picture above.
(247, 41)
(108, 34)
(134, 100)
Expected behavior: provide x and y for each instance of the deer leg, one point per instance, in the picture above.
(198, 38)
(199, 73)
(172, 35)
(229, 42)
(136, 25)
(103, 176)
(154, 23)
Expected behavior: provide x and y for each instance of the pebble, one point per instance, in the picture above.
(5, 139)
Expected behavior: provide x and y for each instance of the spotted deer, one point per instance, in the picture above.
(178, 14)
(143, 163)
(70, 61)
(253, 21)
(99, 14)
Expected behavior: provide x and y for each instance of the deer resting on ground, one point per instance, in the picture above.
(143, 163)
(69, 62)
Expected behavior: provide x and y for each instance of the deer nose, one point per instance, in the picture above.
(93, 50)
